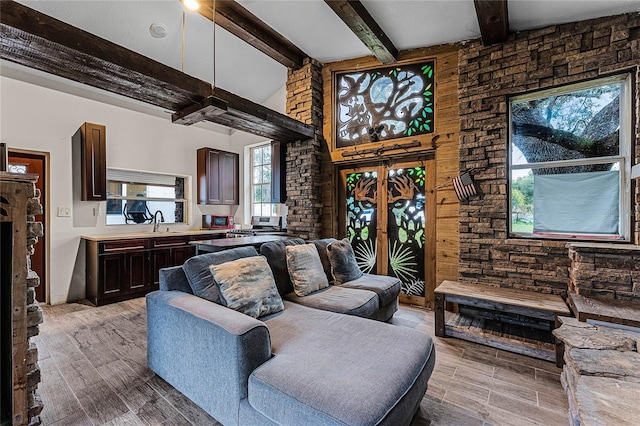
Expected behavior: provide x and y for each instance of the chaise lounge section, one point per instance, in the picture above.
(298, 366)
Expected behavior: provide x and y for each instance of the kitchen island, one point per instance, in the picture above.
(208, 246)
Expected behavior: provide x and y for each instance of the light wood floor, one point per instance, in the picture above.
(93, 363)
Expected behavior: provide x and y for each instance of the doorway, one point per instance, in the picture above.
(387, 210)
(36, 162)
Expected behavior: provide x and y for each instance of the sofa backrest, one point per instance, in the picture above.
(276, 255)
(173, 278)
(321, 245)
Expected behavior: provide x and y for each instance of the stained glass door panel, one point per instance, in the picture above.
(362, 217)
(406, 223)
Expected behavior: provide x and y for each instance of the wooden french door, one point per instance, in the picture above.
(36, 162)
(388, 213)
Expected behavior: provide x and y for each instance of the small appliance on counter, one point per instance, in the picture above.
(262, 225)
(212, 221)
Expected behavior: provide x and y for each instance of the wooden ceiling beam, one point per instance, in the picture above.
(360, 21)
(234, 18)
(493, 19)
(38, 41)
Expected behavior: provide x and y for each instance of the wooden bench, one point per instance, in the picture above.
(622, 312)
(538, 306)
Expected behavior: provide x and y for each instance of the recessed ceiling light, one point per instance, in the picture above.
(191, 4)
(158, 30)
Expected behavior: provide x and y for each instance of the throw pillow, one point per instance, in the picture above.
(305, 269)
(246, 285)
(199, 276)
(344, 267)
(277, 258)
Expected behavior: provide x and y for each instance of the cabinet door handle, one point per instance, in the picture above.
(124, 248)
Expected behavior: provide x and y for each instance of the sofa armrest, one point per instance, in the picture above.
(204, 350)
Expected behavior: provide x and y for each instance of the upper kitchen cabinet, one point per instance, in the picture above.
(218, 177)
(89, 153)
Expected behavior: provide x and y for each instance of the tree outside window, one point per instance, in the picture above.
(261, 204)
(570, 152)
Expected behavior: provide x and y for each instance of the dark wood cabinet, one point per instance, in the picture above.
(218, 177)
(89, 152)
(278, 172)
(124, 269)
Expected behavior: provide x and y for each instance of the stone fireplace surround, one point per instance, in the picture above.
(19, 205)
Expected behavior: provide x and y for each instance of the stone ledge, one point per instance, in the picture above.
(601, 375)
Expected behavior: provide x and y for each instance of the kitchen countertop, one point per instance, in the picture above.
(227, 243)
(149, 234)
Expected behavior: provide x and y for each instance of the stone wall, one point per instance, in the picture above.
(304, 158)
(605, 271)
(526, 62)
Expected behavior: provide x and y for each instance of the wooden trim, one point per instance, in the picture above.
(46, 213)
(493, 19)
(359, 20)
(445, 58)
(234, 18)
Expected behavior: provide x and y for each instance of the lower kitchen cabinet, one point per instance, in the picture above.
(127, 268)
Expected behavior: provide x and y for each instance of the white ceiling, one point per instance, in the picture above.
(310, 24)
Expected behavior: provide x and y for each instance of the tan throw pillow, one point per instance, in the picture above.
(247, 285)
(305, 269)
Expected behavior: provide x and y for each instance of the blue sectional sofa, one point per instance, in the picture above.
(301, 366)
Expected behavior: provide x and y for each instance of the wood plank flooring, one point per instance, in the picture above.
(93, 363)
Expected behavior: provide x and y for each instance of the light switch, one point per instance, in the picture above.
(64, 211)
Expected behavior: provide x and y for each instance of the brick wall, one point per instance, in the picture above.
(304, 158)
(527, 61)
(605, 271)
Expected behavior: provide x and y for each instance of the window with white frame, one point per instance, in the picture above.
(261, 204)
(569, 155)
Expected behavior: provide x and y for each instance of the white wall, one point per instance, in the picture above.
(41, 119)
(241, 140)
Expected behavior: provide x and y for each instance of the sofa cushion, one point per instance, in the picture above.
(343, 261)
(362, 372)
(387, 288)
(305, 269)
(246, 285)
(199, 276)
(342, 300)
(321, 245)
(275, 253)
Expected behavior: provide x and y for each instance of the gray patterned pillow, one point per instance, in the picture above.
(343, 262)
(247, 286)
(305, 269)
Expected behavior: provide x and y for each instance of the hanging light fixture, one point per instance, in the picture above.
(211, 105)
(191, 4)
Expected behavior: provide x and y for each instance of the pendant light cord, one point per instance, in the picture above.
(213, 19)
(183, 25)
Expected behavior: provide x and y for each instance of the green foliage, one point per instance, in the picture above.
(522, 193)
(352, 180)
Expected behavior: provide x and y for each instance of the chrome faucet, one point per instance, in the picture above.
(156, 224)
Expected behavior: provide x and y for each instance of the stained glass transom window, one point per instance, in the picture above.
(384, 103)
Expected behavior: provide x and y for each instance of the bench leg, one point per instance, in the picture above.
(439, 315)
(559, 347)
